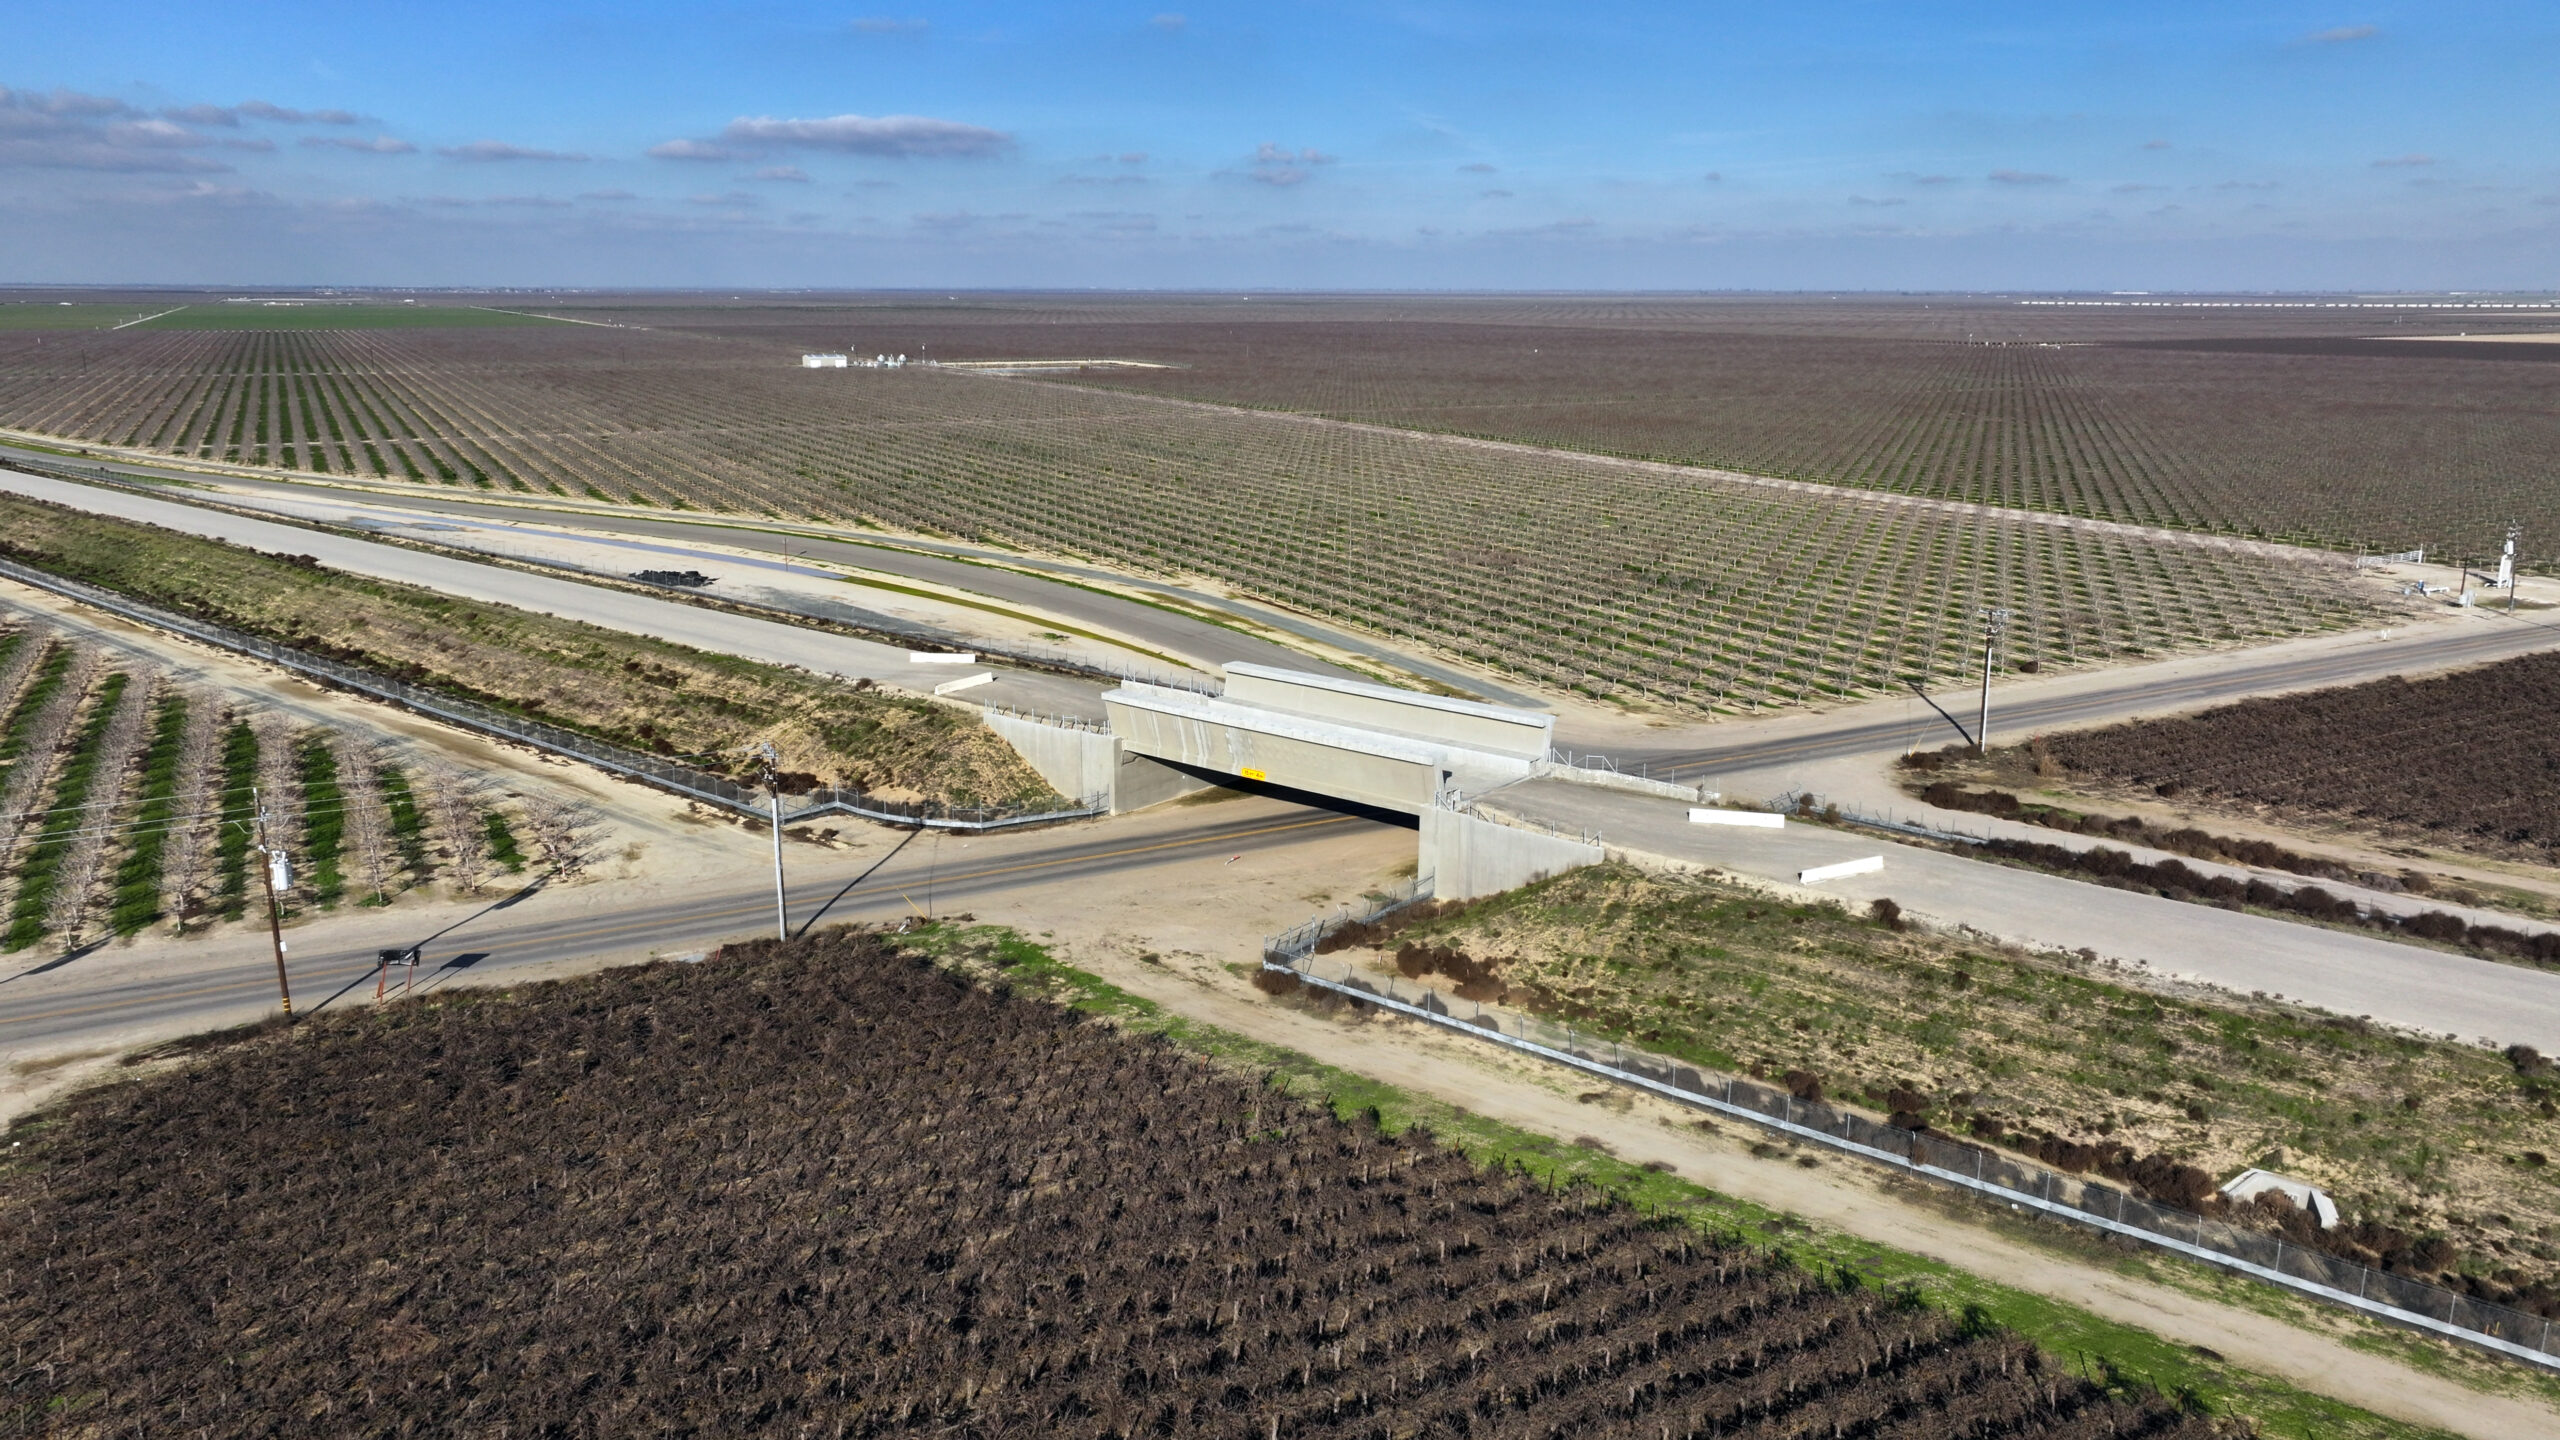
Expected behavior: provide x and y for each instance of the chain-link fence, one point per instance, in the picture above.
(1300, 941)
(2085, 1199)
(669, 775)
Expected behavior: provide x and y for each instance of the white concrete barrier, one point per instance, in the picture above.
(965, 682)
(936, 657)
(1821, 873)
(1738, 817)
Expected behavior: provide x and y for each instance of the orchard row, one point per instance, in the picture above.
(128, 801)
(1629, 582)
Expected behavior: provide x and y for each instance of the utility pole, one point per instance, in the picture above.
(274, 864)
(2507, 564)
(773, 793)
(1993, 623)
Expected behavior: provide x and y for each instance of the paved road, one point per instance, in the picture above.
(63, 1006)
(980, 569)
(773, 641)
(2339, 971)
(2181, 684)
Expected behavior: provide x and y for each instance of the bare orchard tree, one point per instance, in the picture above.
(84, 864)
(570, 832)
(452, 797)
(280, 792)
(22, 661)
(186, 866)
(368, 818)
(23, 794)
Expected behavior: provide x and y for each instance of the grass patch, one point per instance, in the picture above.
(333, 315)
(2436, 1151)
(39, 693)
(408, 827)
(324, 819)
(137, 899)
(503, 849)
(238, 816)
(40, 867)
(78, 315)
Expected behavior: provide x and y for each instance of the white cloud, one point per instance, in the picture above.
(2341, 35)
(378, 145)
(490, 151)
(1280, 165)
(2024, 177)
(788, 173)
(230, 115)
(903, 136)
(1171, 22)
(2400, 162)
(67, 130)
(691, 150)
(1478, 168)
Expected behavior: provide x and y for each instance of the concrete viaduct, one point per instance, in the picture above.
(1372, 745)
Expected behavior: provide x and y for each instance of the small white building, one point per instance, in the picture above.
(823, 362)
(2249, 1184)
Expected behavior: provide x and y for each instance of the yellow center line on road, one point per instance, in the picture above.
(627, 927)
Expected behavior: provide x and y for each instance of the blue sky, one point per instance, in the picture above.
(2165, 145)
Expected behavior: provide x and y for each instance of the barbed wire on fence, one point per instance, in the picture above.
(1965, 1164)
(666, 775)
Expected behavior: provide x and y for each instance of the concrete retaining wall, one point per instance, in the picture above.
(1076, 763)
(1467, 857)
(1144, 781)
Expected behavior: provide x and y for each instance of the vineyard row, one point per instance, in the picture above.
(824, 1189)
